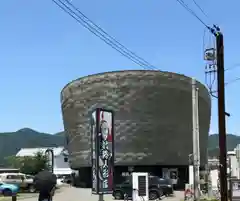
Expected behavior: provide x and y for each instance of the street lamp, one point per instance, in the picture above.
(50, 159)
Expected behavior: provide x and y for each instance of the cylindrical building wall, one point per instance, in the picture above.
(153, 116)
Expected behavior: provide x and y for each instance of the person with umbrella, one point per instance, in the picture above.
(45, 182)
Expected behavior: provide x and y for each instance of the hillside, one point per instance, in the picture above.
(12, 142)
(232, 142)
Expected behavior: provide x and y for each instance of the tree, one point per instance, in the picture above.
(12, 162)
(27, 164)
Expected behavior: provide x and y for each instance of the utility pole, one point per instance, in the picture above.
(238, 159)
(208, 177)
(230, 176)
(221, 116)
(197, 135)
(197, 141)
(196, 151)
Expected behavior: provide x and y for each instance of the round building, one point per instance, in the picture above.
(153, 117)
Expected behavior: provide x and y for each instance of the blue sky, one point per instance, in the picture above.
(42, 49)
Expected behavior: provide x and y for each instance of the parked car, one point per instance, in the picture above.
(164, 184)
(8, 189)
(157, 188)
(24, 182)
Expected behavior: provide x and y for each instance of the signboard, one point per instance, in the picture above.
(102, 135)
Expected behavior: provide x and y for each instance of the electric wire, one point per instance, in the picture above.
(103, 31)
(97, 31)
(204, 34)
(235, 79)
(232, 81)
(92, 30)
(229, 82)
(184, 5)
(233, 67)
(200, 8)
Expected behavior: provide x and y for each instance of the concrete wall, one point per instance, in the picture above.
(153, 116)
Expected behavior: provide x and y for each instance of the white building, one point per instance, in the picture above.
(61, 165)
(233, 169)
(234, 163)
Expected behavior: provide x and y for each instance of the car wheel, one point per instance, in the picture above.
(31, 189)
(160, 193)
(154, 195)
(118, 195)
(7, 192)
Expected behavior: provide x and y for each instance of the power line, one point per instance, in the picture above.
(103, 31)
(233, 67)
(69, 11)
(100, 33)
(227, 83)
(199, 7)
(232, 81)
(184, 5)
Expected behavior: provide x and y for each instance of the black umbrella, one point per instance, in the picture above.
(45, 180)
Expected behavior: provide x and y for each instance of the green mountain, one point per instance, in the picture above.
(213, 146)
(12, 142)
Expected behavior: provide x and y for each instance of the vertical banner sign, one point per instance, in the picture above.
(103, 151)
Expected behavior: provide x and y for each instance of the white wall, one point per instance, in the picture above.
(234, 166)
(60, 163)
(60, 166)
(214, 179)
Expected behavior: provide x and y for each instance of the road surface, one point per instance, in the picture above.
(78, 194)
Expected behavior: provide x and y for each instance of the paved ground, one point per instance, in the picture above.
(78, 194)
